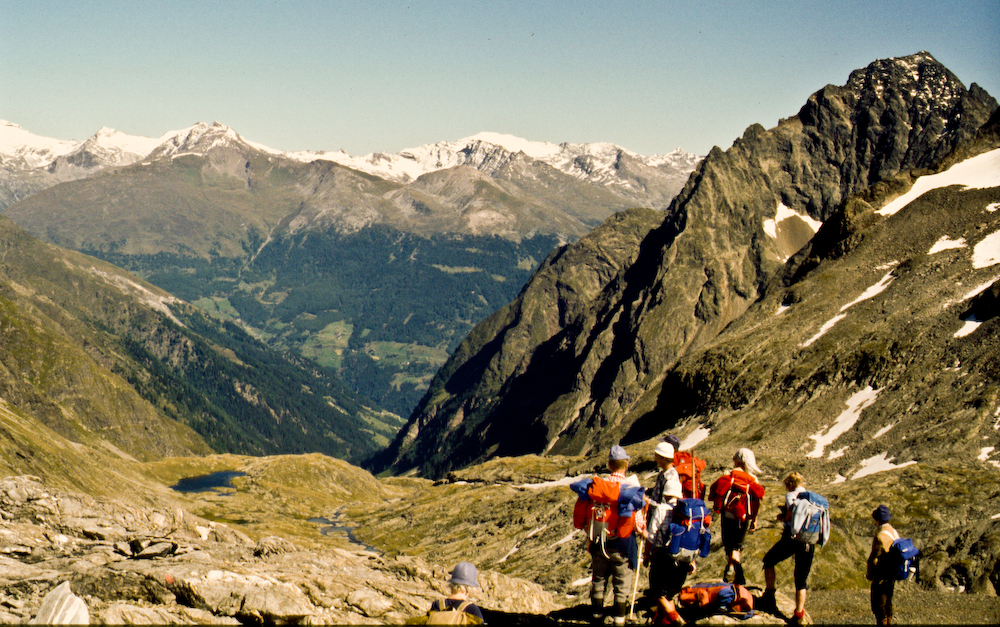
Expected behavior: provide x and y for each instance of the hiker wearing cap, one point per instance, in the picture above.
(463, 577)
(879, 568)
(737, 497)
(666, 575)
(611, 560)
(786, 547)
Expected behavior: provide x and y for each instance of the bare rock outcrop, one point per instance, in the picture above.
(64, 556)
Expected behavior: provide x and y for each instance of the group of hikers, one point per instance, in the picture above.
(667, 528)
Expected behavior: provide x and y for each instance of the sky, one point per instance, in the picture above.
(384, 76)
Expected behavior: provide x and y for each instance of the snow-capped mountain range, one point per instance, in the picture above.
(22, 150)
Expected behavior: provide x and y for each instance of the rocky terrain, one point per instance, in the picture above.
(313, 540)
(135, 565)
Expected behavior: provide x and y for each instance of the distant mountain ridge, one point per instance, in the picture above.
(331, 260)
(597, 163)
(583, 354)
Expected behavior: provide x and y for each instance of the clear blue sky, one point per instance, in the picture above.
(383, 76)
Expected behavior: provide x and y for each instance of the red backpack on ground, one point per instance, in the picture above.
(690, 469)
(717, 597)
(737, 495)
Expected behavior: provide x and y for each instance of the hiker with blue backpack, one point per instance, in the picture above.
(806, 521)
(676, 533)
(892, 559)
(606, 509)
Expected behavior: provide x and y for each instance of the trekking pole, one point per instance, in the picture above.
(635, 583)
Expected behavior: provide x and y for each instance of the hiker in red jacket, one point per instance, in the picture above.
(737, 497)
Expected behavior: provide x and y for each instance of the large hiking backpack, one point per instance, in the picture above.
(811, 518)
(717, 597)
(606, 509)
(737, 495)
(689, 534)
(904, 559)
(451, 616)
(690, 471)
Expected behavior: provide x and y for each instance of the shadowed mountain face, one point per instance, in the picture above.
(106, 360)
(585, 350)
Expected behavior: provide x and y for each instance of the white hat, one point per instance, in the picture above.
(747, 458)
(665, 450)
(673, 488)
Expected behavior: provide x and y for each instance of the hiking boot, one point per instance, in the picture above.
(766, 603)
(621, 611)
(738, 577)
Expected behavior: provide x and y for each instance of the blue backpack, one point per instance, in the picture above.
(904, 559)
(689, 534)
(811, 518)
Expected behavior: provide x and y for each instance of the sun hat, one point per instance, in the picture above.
(618, 453)
(882, 514)
(748, 459)
(465, 574)
(665, 450)
(673, 488)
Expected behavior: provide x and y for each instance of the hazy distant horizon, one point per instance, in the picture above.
(382, 77)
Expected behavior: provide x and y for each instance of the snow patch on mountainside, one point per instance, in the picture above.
(784, 213)
(855, 405)
(879, 463)
(987, 252)
(979, 172)
(871, 292)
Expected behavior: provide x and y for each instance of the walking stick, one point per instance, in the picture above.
(635, 583)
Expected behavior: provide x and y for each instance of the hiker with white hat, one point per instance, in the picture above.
(666, 575)
(444, 611)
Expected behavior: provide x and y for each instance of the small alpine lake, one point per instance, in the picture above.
(206, 483)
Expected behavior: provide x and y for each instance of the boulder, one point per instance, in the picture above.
(62, 607)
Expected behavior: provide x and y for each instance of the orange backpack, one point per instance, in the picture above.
(599, 516)
(690, 470)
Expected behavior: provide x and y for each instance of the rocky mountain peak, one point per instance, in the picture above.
(199, 139)
(578, 382)
(919, 77)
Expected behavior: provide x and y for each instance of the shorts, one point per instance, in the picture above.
(734, 533)
(666, 575)
(787, 547)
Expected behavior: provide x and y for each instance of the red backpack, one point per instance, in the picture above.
(690, 470)
(737, 495)
(719, 597)
(599, 516)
